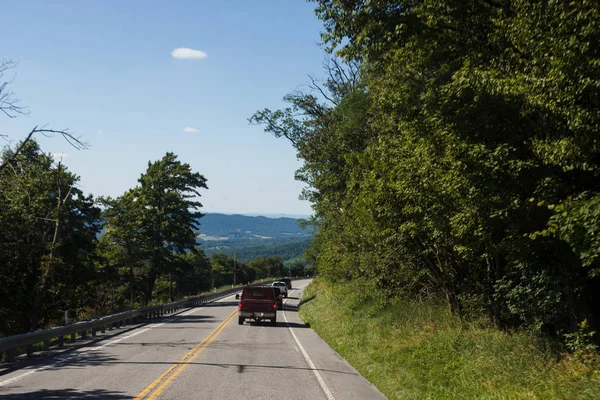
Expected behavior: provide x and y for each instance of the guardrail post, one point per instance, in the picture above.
(94, 331)
(61, 342)
(73, 337)
(46, 344)
(29, 350)
(10, 355)
(103, 328)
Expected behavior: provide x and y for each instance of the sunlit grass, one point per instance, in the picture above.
(419, 351)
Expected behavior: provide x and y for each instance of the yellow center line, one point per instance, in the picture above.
(189, 360)
(186, 359)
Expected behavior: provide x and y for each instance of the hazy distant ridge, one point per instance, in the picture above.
(242, 226)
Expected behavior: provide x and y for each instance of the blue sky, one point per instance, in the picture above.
(105, 70)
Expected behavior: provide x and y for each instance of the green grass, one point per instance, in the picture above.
(418, 351)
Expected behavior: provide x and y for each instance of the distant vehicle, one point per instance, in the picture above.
(258, 303)
(282, 286)
(288, 282)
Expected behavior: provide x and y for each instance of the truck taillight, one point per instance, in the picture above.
(275, 305)
(240, 305)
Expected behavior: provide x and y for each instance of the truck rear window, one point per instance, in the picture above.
(258, 292)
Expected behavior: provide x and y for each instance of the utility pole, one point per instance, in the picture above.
(234, 268)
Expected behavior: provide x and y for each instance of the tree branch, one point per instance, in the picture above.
(8, 103)
(315, 86)
(72, 140)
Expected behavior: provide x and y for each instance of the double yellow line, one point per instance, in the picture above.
(169, 375)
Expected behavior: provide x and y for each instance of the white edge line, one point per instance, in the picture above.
(309, 361)
(85, 350)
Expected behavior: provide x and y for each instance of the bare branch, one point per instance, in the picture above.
(72, 140)
(315, 86)
(9, 104)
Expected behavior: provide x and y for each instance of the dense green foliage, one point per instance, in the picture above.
(454, 151)
(62, 251)
(152, 226)
(247, 250)
(418, 350)
(47, 241)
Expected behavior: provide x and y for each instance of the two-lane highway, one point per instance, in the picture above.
(201, 353)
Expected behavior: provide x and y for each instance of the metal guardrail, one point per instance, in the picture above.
(10, 343)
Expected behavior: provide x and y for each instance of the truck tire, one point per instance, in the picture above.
(274, 321)
(241, 320)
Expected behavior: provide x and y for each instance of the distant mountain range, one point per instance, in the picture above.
(234, 227)
(293, 216)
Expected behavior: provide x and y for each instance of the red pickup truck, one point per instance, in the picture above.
(258, 303)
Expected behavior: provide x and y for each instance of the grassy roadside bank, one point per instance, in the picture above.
(418, 351)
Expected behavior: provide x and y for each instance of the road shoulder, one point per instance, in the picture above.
(339, 377)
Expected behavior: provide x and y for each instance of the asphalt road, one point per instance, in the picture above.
(200, 353)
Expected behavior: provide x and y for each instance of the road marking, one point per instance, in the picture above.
(182, 364)
(16, 378)
(309, 361)
(59, 360)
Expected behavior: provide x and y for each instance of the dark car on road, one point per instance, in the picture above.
(258, 303)
(288, 282)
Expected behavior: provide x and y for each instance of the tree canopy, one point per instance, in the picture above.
(454, 151)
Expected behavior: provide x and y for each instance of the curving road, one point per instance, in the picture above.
(199, 353)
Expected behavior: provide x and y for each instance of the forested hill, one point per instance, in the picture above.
(221, 226)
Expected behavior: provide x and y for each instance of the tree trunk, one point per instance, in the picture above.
(47, 267)
(498, 274)
(150, 286)
(131, 284)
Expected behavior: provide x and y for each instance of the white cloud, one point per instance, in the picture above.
(100, 131)
(189, 129)
(185, 53)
